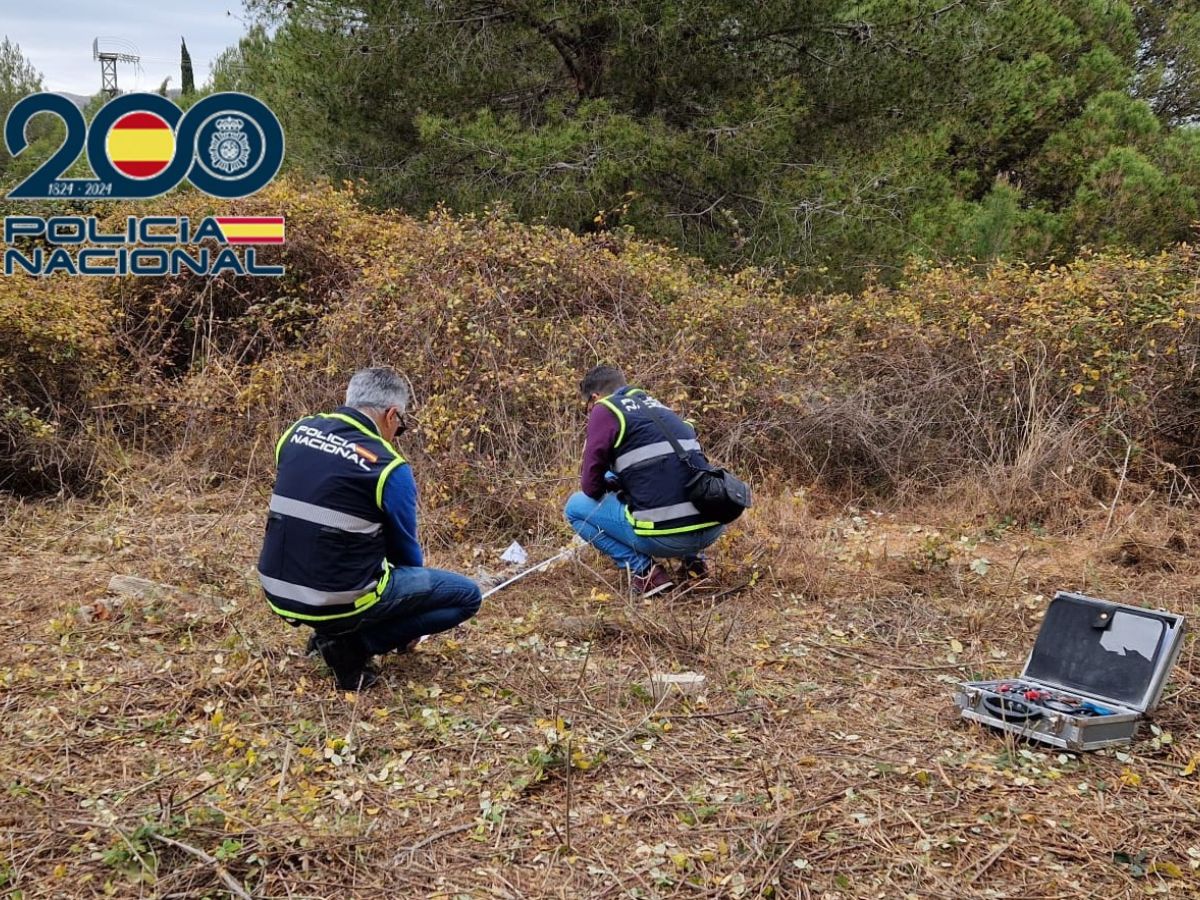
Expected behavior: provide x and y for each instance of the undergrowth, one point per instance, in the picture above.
(1047, 387)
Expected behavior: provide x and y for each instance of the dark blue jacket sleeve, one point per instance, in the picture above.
(400, 508)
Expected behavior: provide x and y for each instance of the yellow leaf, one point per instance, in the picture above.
(956, 645)
(1169, 869)
(1130, 778)
(1190, 768)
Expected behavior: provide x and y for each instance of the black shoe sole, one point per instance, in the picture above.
(359, 681)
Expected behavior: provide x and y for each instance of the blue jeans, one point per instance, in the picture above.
(417, 601)
(603, 524)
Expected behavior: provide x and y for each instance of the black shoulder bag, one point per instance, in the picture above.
(716, 492)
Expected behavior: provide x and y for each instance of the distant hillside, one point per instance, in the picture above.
(79, 100)
(82, 100)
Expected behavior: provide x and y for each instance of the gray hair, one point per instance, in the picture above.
(378, 388)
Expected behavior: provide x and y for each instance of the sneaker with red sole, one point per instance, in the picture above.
(655, 580)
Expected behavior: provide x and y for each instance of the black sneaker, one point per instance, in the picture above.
(311, 648)
(692, 567)
(348, 658)
(365, 677)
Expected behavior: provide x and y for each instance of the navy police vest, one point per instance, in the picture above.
(652, 477)
(324, 555)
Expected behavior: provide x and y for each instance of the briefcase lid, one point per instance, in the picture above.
(1106, 650)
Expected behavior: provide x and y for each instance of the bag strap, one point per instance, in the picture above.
(679, 451)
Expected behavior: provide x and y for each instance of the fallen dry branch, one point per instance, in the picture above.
(222, 873)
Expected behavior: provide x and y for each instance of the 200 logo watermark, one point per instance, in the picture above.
(228, 145)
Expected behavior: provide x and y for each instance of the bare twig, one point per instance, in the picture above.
(230, 882)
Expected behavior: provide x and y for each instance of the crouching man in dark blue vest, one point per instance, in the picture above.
(341, 552)
(633, 501)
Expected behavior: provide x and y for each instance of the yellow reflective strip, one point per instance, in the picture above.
(636, 523)
(620, 418)
(303, 617)
(283, 437)
(398, 461)
(653, 532)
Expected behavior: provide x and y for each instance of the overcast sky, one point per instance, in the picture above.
(56, 36)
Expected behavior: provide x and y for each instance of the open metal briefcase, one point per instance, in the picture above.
(1096, 669)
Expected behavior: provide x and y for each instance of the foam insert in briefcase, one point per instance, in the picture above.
(1096, 669)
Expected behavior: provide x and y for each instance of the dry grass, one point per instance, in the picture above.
(188, 748)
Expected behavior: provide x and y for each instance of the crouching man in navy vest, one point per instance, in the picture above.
(341, 552)
(633, 502)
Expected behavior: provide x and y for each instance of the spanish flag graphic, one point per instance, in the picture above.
(140, 144)
(252, 229)
(364, 453)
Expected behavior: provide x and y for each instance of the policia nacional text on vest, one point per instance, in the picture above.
(653, 478)
(324, 556)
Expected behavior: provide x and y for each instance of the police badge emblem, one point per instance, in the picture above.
(229, 149)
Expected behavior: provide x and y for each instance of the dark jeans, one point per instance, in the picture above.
(417, 601)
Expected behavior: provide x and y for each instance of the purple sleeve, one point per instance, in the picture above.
(602, 430)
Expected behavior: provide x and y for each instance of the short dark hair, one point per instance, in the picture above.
(602, 380)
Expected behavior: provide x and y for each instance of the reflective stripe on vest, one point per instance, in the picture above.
(650, 451)
(312, 597)
(322, 515)
(666, 513)
(365, 602)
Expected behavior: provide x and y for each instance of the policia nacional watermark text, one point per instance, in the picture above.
(148, 245)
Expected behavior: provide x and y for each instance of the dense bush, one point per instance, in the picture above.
(1030, 378)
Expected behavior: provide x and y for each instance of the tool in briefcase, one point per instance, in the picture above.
(1096, 669)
